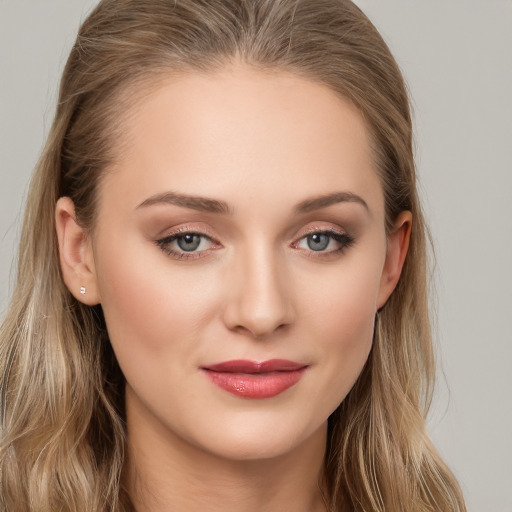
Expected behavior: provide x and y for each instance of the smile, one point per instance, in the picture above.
(253, 379)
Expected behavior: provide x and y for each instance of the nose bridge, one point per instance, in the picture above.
(260, 301)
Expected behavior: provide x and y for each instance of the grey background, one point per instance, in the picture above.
(457, 58)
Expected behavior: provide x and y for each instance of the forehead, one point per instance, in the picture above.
(244, 132)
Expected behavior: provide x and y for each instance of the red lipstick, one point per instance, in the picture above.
(254, 379)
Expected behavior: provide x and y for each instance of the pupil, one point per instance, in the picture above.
(189, 242)
(318, 242)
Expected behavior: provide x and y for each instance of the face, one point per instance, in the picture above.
(240, 257)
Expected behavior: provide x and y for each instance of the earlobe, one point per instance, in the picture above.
(398, 245)
(75, 254)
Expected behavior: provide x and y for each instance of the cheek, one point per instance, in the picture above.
(150, 305)
(345, 302)
(350, 323)
(341, 316)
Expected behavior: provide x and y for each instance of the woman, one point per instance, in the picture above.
(221, 296)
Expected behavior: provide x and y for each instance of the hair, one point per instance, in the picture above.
(63, 432)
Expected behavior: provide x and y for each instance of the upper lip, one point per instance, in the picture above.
(246, 366)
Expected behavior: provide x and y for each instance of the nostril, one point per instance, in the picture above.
(259, 323)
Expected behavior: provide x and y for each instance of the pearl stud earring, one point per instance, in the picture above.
(82, 290)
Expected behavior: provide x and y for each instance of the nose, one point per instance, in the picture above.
(259, 295)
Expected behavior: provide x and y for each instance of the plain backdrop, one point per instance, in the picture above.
(457, 58)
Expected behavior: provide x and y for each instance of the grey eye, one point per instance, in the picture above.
(189, 242)
(318, 241)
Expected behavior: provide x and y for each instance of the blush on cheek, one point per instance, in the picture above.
(351, 304)
(131, 302)
(347, 326)
(149, 307)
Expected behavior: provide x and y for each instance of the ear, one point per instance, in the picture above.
(397, 246)
(75, 254)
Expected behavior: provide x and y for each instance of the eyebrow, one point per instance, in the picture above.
(205, 204)
(202, 204)
(324, 201)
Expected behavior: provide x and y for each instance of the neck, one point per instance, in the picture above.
(166, 473)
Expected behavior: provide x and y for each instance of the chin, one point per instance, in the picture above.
(261, 440)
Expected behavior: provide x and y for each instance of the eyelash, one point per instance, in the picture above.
(344, 239)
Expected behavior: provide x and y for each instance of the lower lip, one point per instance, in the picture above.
(255, 385)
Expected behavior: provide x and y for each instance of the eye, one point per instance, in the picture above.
(185, 244)
(325, 241)
(189, 242)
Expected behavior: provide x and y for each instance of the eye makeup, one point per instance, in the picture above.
(188, 244)
(183, 237)
(316, 239)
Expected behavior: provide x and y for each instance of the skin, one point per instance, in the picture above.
(254, 289)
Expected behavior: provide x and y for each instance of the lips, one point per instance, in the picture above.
(254, 379)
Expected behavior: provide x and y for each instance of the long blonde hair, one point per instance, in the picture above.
(62, 404)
